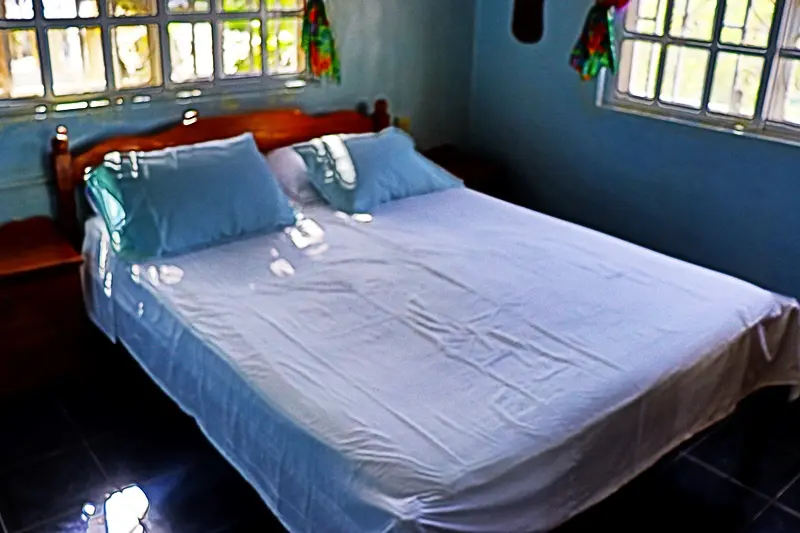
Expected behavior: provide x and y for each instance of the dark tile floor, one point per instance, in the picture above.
(74, 443)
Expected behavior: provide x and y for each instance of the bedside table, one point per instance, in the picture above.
(476, 172)
(43, 325)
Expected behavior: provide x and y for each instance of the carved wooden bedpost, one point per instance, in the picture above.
(381, 119)
(66, 214)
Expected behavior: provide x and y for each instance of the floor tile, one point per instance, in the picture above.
(49, 488)
(100, 406)
(71, 522)
(791, 498)
(680, 496)
(33, 426)
(690, 444)
(775, 520)
(209, 499)
(140, 436)
(754, 448)
(137, 456)
(182, 501)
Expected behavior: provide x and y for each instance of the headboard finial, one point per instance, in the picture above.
(381, 118)
(61, 140)
(190, 116)
(65, 193)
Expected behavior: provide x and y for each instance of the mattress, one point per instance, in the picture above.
(455, 364)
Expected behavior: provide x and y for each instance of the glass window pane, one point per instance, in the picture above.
(189, 6)
(285, 5)
(70, 9)
(16, 9)
(734, 89)
(684, 75)
(284, 50)
(747, 25)
(735, 13)
(238, 6)
(131, 8)
(639, 68)
(76, 58)
(646, 16)
(791, 38)
(241, 47)
(693, 19)
(190, 51)
(20, 70)
(786, 104)
(731, 35)
(759, 23)
(135, 53)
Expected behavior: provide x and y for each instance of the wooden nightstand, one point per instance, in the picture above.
(477, 173)
(43, 325)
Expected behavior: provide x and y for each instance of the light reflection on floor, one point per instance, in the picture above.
(122, 512)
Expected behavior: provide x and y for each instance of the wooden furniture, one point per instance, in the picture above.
(43, 311)
(477, 173)
(272, 129)
(43, 326)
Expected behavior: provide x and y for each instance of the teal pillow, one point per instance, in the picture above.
(179, 199)
(357, 173)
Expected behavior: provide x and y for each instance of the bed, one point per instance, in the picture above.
(456, 363)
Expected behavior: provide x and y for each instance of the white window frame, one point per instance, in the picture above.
(221, 84)
(770, 91)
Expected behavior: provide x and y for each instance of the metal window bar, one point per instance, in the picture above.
(771, 65)
(44, 49)
(608, 93)
(105, 37)
(719, 16)
(168, 90)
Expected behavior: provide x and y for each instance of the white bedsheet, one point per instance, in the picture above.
(478, 367)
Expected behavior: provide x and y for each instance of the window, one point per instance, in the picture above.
(732, 64)
(88, 53)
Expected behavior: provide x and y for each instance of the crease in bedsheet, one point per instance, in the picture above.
(506, 349)
(449, 335)
(280, 505)
(390, 448)
(617, 270)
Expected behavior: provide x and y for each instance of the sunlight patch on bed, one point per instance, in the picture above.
(282, 268)
(152, 275)
(361, 218)
(317, 251)
(170, 274)
(107, 284)
(136, 274)
(305, 233)
(166, 274)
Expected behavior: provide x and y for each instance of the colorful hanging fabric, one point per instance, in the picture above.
(319, 44)
(595, 48)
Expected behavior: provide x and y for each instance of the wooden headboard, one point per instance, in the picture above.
(272, 129)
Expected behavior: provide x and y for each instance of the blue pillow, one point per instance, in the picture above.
(179, 199)
(357, 173)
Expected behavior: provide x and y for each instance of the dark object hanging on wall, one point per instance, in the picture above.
(528, 23)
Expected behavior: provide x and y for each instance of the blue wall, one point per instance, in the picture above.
(714, 199)
(415, 52)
